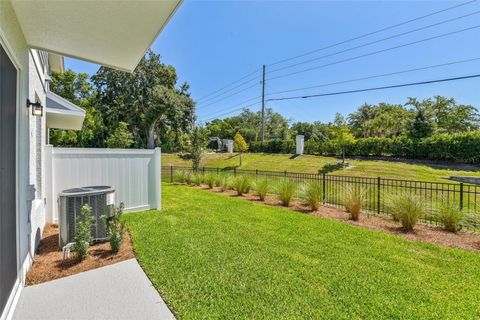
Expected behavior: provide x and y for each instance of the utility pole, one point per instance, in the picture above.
(263, 104)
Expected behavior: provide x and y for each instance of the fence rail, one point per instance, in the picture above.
(434, 194)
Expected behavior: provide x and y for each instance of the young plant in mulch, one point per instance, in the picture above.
(83, 232)
(242, 184)
(262, 187)
(210, 179)
(115, 228)
(286, 190)
(451, 216)
(405, 207)
(354, 201)
(311, 194)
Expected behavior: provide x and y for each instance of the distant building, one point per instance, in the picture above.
(220, 145)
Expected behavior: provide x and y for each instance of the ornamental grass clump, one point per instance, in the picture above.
(262, 187)
(83, 232)
(405, 207)
(451, 216)
(286, 190)
(354, 201)
(210, 179)
(311, 194)
(197, 179)
(242, 184)
(225, 182)
(188, 177)
(218, 180)
(181, 176)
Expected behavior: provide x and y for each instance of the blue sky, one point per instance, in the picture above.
(212, 44)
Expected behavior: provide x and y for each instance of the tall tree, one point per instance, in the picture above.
(447, 115)
(75, 88)
(121, 137)
(422, 125)
(147, 99)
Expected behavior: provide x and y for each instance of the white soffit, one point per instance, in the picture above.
(62, 114)
(111, 33)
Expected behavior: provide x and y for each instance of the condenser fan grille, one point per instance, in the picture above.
(71, 203)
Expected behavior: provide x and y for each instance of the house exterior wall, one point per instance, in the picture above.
(30, 84)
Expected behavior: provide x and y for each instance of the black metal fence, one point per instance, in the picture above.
(376, 190)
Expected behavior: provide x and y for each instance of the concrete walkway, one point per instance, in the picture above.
(118, 291)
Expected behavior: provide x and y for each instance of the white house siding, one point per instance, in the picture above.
(30, 214)
(37, 90)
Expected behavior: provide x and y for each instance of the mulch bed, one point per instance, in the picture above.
(49, 263)
(423, 232)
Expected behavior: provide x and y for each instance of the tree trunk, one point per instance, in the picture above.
(151, 137)
(240, 159)
(343, 156)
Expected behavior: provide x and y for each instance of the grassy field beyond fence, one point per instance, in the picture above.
(369, 168)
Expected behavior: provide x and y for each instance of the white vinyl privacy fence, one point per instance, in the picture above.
(135, 175)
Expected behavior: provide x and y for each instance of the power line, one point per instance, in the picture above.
(232, 83)
(357, 91)
(345, 81)
(235, 105)
(376, 88)
(230, 90)
(376, 76)
(373, 32)
(375, 52)
(231, 95)
(233, 111)
(375, 42)
(203, 99)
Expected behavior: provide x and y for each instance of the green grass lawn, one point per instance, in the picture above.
(217, 257)
(311, 164)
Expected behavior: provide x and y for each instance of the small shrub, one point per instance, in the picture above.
(197, 179)
(286, 190)
(83, 232)
(242, 184)
(210, 179)
(354, 201)
(115, 228)
(225, 182)
(311, 194)
(451, 216)
(262, 187)
(405, 207)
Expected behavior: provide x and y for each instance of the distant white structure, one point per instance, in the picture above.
(300, 144)
(229, 144)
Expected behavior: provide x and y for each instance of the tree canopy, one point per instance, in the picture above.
(147, 103)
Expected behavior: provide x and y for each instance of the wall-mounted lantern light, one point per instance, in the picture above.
(37, 108)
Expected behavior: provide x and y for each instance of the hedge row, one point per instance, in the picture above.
(463, 147)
